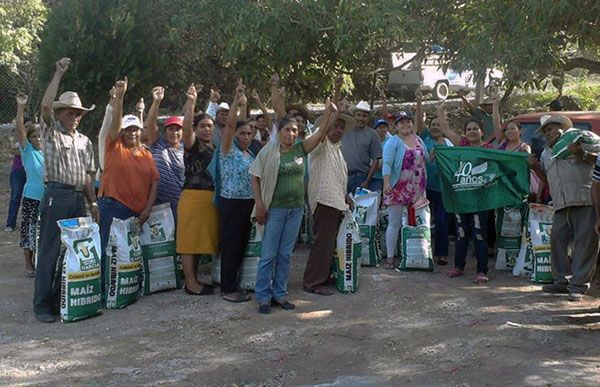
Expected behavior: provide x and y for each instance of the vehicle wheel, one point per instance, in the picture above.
(441, 90)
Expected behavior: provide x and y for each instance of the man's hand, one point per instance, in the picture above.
(63, 65)
(575, 148)
(418, 94)
(121, 88)
(364, 184)
(143, 217)
(261, 214)
(255, 95)
(330, 106)
(240, 92)
(387, 188)
(21, 99)
(274, 81)
(95, 213)
(192, 93)
(339, 81)
(215, 96)
(350, 202)
(140, 106)
(158, 93)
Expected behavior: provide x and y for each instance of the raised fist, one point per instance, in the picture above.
(140, 106)
(339, 80)
(274, 79)
(192, 93)
(158, 93)
(62, 65)
(121, 87)
(215, 96)
(21, 99)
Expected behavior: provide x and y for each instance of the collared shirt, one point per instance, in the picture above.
(69, 158)
(360, 146)
(328, 176)
(169, 162)
(570, 180)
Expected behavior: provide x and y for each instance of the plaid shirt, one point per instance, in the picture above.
(69, 158)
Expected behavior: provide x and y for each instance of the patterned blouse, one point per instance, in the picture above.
(236, 180)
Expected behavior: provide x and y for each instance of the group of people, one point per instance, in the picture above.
(221, 170)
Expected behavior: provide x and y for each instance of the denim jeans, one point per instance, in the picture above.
(17, 182)
(467, 226)
(281, 231)
(440, 219)
(355, 179)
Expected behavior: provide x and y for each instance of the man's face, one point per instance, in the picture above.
(69, 118)
(487, 107)
(222, 117)
(551, 133)
(361, 117)
(336, 133)
(301, 122)
(262, 123)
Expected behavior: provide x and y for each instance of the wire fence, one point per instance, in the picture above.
(24, 80)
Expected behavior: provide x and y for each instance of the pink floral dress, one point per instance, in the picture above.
(413, 181)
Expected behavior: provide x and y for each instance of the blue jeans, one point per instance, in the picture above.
(110, 208)
(467, 225)
(17, 182)
(281, 231)
(440, 218)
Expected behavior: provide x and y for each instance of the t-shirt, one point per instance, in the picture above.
(289, 191)
(236, 181)
(197, 159)
(465, 142)
(33, 161)
(127, 175)
(255, 146)
(169, 162)
(17, 163)
(433, 180)
(359, 147)
(379, 172)
(487, 121)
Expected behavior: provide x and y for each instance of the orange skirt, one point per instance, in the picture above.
(197, 223)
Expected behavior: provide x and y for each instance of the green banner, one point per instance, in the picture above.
(477, 179)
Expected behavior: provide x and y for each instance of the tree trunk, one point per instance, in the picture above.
(479, 87)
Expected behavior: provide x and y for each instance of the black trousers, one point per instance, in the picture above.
(234, 227)
(59, 202)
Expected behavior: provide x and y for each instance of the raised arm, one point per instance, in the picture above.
(213, 102)
(158, 93)
(243, 109)
(384, 106)
(277, 97)
(497, 120)
(61, 67)
(117, 118)
(419, 122)
(311, 142)
(20, 120)
(140, 106)
(466, 104)
(263, 109)
(231, 122)
(449, 134)
(337, 90)
(189, 136)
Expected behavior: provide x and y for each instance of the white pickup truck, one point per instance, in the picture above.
(410, 74)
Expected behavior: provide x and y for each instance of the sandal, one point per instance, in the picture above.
(481, 279)
(236, 297)
(30, 273)
(321, 291)
(454, 272)
(207, 290)
(441, 261)
(389, 265)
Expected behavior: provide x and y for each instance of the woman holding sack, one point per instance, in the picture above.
(129, 180)
(404, 177)
(278, 186)
(197, 217)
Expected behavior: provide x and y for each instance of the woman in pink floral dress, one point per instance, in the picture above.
(404, 177)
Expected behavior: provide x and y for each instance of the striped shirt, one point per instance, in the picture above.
(328, 176)
(596, 174)
(69, 157)
(169, 162)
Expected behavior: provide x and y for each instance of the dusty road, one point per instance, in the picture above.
(411, 329)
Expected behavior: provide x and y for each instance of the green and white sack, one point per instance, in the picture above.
(524, 264)
(123, 263)
(161, 266)
(416, 241)
(347, 255)
(249, 267)
(509, 226)
(81, 293)
(366, 206)
(590, 142)
(540, 229)
(381, 237)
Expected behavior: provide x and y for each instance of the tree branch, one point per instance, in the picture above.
(584, 63)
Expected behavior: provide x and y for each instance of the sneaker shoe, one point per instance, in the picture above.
(555, 289)
(264, 309)
(575, 297)
(9, 229)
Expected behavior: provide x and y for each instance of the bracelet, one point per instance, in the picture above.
(94, 204)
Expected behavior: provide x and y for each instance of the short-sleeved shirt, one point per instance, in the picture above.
(128, 175)
(360, 146)
(328, 176)
(33, 161)
(596, 173)
(169, 162)
(197, 158)
(433, 180)
(289, 191)
(69, 157)
(255, 146)
(236, 181)
(486, 120)
(17, 163)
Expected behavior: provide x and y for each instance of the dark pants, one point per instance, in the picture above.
(17, 182)
(440, 218)
(109, 209)
(467, 226)
(234, 226)
(355, 179)
(325, 228)
(59, 202)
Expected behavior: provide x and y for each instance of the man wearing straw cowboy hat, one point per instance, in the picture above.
(570, 182)
(361, 149)
(69, 158)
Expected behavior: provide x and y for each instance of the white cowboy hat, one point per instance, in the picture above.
(565, 122)
(131, 120)
(349, 121)
(70, 99)
(222, 106)
(362, 105)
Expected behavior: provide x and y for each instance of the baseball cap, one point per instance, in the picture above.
(404, 116)
(174, 120)
(131, 120)
(380, 122)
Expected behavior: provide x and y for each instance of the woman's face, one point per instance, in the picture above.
(244, 136)
(404, 127)
(173, 135)
(382, 130)
(254, 126)
(131, 136)
(301, 122)
(35, 138)
(473, 132)
(512, 132)
(435, 128)
(204, 130)
(289, 133)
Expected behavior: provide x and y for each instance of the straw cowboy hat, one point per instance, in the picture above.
(565, 122)
(349, 121)
(362, 105)
(70, 99)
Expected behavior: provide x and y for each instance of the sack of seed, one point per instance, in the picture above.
(509, 226)
(347, 254)
(540, 229)
(366, 207)
(81, 294)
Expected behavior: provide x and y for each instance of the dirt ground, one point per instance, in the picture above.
(416, 329)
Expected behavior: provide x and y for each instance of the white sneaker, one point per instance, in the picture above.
(9, 229)
(575, 296)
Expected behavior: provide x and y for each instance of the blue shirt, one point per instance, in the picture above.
(169, 162)
(33, 161)
(236, 180)
(379, 173)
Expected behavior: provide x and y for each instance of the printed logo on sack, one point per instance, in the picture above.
(86, 254)
(361, 214)
(135, 246)
(157, 233)
(545, 232)
(469, 177)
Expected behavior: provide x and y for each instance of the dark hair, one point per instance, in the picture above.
(285, 120)
(431, 120)
(200, 117)
(475, 120)
(301, 114)
(239, 124)
(259, 116)
(517, 123)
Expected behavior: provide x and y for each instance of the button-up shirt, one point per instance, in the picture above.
(328, 176)
(69, 157)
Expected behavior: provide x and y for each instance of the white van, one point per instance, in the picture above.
(409, 74)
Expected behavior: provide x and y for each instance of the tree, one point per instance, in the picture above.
(20, 24)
